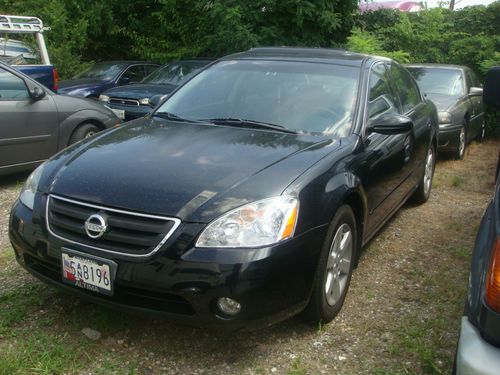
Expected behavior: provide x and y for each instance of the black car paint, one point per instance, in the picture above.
(478, 312)
(198, 171)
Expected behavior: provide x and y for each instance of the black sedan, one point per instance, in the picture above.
(35, 123)
(245, 197)
(457, 93)
(133, 101)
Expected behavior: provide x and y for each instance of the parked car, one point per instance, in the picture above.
(104, 75)
(17, 54)
(244, 198)
(35, 123)
(478, 349)
(457, 93)
(133, 101)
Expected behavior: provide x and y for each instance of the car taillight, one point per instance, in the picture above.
(493, 279)
(55, 75)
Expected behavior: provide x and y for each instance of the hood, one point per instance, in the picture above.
(140, 91)
(442, 102)
(173, 169)
(81, 86)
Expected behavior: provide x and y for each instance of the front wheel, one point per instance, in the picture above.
(83, 131)
(335, 267)
(423, 191)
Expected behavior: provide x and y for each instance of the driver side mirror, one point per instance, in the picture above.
(390, 123)
(156, 100)
(36, 93)
(124, 80)
(476, 90)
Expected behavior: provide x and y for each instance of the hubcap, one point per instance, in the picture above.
(339, 264)
(429, 166)
(89, 134)
(462, 142)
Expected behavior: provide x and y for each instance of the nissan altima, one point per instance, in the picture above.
(243, 199)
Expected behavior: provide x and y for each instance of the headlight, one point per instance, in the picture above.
(444, 117)
(144, 101)
(104, 98)
(257, 224)
(27, 196)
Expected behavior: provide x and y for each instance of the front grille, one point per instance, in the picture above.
(124, 294)
(128, 233)
(122, 101)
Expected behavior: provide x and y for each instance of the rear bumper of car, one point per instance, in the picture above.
(474, 354)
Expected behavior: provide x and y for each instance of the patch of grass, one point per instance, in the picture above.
(297, 368)
(457, 181)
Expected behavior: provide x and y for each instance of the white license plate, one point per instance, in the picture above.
(88, 272)
(120, 113)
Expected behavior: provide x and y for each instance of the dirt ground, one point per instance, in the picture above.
(401, 315)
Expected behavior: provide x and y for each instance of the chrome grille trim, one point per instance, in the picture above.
(176, 224)
(123, 101)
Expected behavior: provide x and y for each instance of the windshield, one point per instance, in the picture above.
(174, 73)
(298, 96)
(443, 81)
(101, 71)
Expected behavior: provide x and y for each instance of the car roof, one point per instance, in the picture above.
(322, 55)
(441, 66)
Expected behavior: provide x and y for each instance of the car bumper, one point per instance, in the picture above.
(131, 112)
(449, 136)
(271, 283)
(474, 354)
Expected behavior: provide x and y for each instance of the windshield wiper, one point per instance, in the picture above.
(249, 124)
(173, 117)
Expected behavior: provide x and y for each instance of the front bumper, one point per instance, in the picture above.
(449, 136)
(131, 112)
(474, 354)
(183, 282)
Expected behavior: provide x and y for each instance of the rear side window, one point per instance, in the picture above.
(12, 87)
(407, 89)
(382, 98)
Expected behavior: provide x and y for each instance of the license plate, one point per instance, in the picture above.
(88, 272)
(120, 113)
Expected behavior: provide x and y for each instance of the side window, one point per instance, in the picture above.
(381, 98)
(148, 69)
(406, 87)
(12, 87)
(133, 74)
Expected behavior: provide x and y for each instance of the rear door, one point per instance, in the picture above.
(28, 128)
(476, 102)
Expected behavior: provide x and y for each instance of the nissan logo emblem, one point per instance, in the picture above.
(96, 226)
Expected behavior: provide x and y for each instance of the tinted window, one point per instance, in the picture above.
(134, 74)
(149, 69)
(300, 96)
(174, 73)
(12, 87)
(101, 71)
(382, 98)
(408, 92)
(445, 81)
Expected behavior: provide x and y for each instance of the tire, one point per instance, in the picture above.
(482, 132)
(461, 144)
(83, 131)
(424, 188)
(333, 274)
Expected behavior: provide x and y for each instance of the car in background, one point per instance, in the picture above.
(244, 198)
(104, 75)
(133, 101)
(35, 123)
(478, 350)
(457, 93)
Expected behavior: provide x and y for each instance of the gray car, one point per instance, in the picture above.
(35, 123)
(457, 93)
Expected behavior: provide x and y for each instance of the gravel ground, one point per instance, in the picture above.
(401, 314)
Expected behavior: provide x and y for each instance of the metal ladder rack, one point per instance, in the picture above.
(26, 25)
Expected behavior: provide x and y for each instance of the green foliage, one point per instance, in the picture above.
(366, 42)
